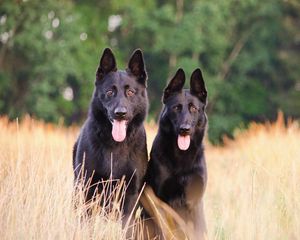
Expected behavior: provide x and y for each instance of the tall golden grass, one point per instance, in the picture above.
(253, 189)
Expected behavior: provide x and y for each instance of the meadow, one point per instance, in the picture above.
(253, 187)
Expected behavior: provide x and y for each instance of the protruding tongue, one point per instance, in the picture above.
(183, 142)
(119, 130)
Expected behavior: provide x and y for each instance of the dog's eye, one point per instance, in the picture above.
(109, 93)
(177, 108)
(193, 109)
(129, 93)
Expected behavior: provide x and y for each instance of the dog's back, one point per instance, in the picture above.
(177, 168)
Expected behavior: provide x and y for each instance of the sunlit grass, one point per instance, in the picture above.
(254, 184)
(253, 189)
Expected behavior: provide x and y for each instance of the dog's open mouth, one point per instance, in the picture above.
(119, 130)
(183, 142)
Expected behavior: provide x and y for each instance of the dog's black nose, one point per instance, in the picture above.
(185, 129)
(120, 111)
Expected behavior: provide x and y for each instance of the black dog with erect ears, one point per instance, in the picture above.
(112, 141)
(177, 168)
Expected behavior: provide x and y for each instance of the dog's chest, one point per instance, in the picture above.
(117, 162)
(172, 189)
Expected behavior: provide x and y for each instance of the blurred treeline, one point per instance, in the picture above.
(248, 50)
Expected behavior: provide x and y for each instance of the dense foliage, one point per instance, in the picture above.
(249, 52)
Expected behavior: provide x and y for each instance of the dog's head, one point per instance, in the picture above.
(121, 95)
(184, 109)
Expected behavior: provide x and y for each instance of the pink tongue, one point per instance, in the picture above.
(183, 142)
(119, 130)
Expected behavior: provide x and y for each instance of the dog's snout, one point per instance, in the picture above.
(185, 129)
(120, 111)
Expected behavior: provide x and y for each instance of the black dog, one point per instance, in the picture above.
(177, 168)
(113, 136)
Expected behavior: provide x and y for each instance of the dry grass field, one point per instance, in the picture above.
(253, 190)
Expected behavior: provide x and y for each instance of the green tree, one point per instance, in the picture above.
(40, 56)
(248, 51)
(238, 44)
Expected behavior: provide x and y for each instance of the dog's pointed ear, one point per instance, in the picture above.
(175, 85)
(198, 86)
(107, 64)
(136, 66)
